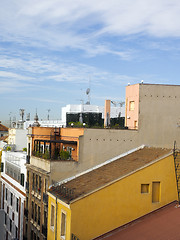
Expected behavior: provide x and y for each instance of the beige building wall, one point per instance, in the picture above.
(159, 114)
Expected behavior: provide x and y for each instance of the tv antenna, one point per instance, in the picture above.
(48, 114)
(88, 95)
(21, 112)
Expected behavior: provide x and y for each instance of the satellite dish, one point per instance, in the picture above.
(88, 91)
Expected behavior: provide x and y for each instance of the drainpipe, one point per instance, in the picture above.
(56, 221)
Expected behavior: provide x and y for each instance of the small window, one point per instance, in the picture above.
(39, 215)
(39, 188)
(52, 216)
(10, 225)
(17, 204)
(36, 189)
(32, 210)
(63, 225)
(131, 105)
(33, 181)
(45, 185)
(35, 215)
(16, 232)
(5, 219)
(155, 192)
(11, 199)
(22, 179)
(144, 188)
(6, 194)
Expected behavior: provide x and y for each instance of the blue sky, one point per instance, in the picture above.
(52, 50)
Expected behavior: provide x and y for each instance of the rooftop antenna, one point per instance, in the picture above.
(48, 114)
(88, 90)
(21, 112)
(142, 81)
(10, 119)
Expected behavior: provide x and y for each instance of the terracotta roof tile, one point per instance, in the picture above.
(162, 224)
(3, 128)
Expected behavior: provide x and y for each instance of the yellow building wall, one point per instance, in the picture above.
(55, 233)
(123, 201)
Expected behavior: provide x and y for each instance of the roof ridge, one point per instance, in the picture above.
(99, 165)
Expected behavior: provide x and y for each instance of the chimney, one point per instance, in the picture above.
(107, 111)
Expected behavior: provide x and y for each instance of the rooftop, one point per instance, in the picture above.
(3, 128)
(107, 173)
(162, 224)
(3, 138)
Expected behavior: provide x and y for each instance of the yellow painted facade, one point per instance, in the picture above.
(112, 206)
(54, 233)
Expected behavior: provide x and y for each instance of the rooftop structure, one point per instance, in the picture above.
(106, 173)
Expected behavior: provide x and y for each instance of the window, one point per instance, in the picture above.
(39, 215)
(144, 188)
(33, 181)
(11, 199)
(22, 179)
(36, 183)
(2, 167)
(45, 185)
(35, 213)
(32, 233)
(10, 226)
(63, 225)
(32, 210)
(39, 189)
(6, 194)
(17, 204)
(52, 215)
(26, 202)
(16, 232)
(5, 219)
(155, 192)
(131, 105)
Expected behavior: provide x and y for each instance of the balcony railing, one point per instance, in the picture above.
(54, 156)
(44, 230)
(45, 198)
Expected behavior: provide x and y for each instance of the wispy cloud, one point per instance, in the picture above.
(84, 24)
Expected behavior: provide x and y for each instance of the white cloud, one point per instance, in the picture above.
(5, 74)
(60, 24)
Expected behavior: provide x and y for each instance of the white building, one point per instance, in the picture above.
(18, 137)
(85, 108)
(13, 195)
